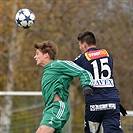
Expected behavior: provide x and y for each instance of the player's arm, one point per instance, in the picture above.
(72, 69)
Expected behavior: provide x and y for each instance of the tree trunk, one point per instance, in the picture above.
(7, 102)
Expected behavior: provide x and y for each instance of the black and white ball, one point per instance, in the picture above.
(25, 18)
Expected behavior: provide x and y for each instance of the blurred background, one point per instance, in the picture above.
(60, 21)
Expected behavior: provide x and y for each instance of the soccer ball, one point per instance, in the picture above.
(25, 18)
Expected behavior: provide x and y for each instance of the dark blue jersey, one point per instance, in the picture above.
(99, 63)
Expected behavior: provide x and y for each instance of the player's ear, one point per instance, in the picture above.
(46, 55)
(85, 45)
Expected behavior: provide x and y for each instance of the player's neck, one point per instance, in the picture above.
(91, 46)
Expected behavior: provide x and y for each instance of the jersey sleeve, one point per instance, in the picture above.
(78, 60)
(71, 69)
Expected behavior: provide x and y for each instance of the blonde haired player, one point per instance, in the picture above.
(56, 79)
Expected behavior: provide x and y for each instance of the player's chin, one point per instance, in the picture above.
(37, 63)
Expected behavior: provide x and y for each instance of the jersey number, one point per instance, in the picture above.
(104, 67)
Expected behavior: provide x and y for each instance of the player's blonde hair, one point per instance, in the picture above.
(47, 47)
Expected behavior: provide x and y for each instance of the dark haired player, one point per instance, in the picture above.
(102, 102)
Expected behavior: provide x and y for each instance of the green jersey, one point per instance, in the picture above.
(57, 77)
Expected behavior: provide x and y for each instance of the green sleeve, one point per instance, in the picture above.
(72, 69)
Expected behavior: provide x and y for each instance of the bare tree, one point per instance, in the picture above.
(6, 111)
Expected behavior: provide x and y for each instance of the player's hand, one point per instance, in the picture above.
(87, 90)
